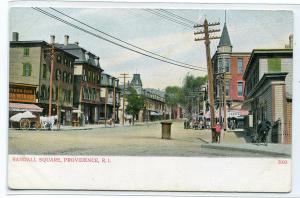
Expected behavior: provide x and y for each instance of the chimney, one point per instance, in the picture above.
(76, 43)
(66, 39)
(15, 36)
(291, 40)
(98, 61)
(52, 39)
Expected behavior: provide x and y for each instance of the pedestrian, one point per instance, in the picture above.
(130, 121)
(218, 132)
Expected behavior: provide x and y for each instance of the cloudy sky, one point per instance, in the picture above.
(247, 30)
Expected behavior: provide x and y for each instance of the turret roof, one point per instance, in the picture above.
(136, 80)
(225, 39)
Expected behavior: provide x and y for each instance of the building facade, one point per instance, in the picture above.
(154, 106)
(110, 98)
(87, 81)
(228, 69)
(29, 77)
(268, 92)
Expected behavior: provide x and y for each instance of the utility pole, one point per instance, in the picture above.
(220, 83)
(224, 102)
(52, 57)
(114, 102)
(105, 105)
(124, 76)
(207, 39)
(58, 98)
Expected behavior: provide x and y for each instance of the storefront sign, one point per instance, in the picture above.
(18, 93)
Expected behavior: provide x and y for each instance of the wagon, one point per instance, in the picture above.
(25, 120)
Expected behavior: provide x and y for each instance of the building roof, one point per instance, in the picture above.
(136, 80)
(110, 76)
(225, 40)
(155, 91)
(266, 53)
(83, 55)
(39, 43)
(34, 42)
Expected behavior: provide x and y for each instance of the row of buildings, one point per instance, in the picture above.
(257, 86)
(79, 90)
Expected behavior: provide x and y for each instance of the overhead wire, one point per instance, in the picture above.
(177, 16)
(118, 39)
(112, 42)
(168, 18)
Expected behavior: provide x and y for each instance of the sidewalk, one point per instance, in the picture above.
(274, 149)
(239, 141)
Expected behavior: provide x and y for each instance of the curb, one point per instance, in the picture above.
(204, 140)
(244, 149)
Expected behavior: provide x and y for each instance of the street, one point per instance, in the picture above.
(140, 140)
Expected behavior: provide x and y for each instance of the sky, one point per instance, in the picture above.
(248, 30)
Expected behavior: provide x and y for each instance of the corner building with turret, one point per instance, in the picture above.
(231, 65)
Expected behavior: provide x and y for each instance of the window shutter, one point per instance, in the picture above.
(30, 68)
(24, 69)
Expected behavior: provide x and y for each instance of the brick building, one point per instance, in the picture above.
(87, 81)
(231, 65)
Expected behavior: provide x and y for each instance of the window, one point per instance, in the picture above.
(227, 64)
(56, 91)
(26, 52)
(240, 88)
(274, 65)
(27, 69)
(65, 77)
(66, 62)
(59, 59)
(89, 76)
(70, 78)
(44, 71)
(43, 92)
(48, 92)
(227, 88)
(57, 74)
(240, 65)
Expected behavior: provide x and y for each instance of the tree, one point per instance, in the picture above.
(135, 103)
(191, 86)
(174, 96)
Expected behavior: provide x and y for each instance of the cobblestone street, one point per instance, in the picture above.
(142, 140)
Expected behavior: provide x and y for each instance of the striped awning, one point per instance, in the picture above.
(20, 107)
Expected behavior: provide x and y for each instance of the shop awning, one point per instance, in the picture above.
(22, 107)
(230, 113)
